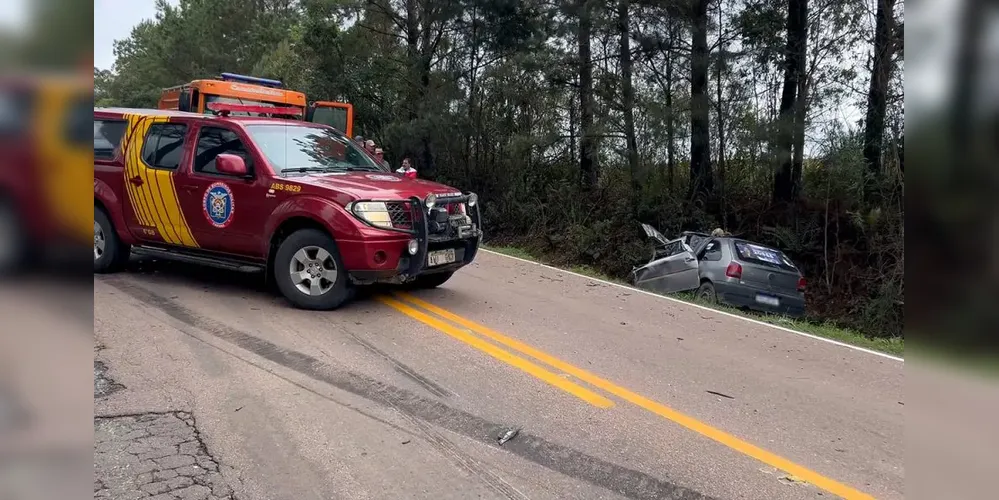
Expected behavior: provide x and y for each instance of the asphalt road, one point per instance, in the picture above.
(616, 394)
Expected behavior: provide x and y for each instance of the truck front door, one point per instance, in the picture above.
(226, 213)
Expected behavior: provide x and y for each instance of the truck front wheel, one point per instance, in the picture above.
(309, 271)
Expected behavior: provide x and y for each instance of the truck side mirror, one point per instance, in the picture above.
(230, 164)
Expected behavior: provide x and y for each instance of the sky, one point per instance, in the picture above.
(114, 20)
(13, 14)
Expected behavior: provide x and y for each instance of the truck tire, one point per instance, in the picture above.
(309, 271)
(13, 247)
(110, 254)
(428, 281)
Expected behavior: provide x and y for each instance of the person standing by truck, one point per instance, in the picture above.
(380, 156)
(407, 169)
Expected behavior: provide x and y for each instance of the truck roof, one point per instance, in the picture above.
(189, 114)
(147, 111)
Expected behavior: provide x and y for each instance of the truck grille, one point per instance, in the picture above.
(400, 213)
(402, 216)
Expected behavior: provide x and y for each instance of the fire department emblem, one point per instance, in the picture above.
(218, 204)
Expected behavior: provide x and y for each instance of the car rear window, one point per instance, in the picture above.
(759, 254)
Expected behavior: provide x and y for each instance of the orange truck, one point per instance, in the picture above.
(231, 88)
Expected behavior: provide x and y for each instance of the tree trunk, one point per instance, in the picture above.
(798, 154)
(573, 119)
(628, 99)
(587, 143)
(720, 112)
(701, 185)
(877, 96)
(794, 64)
(413, 54)
(670, 121)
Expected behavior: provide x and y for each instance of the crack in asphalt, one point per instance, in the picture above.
(556, 457)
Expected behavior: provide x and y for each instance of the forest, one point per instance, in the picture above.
(780, 121)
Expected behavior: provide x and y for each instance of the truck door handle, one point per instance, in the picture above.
(190, 187)
(136, 180)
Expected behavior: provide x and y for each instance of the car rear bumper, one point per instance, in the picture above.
(389, 260)
(738, 295)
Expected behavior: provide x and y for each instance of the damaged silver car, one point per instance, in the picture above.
(723, 269)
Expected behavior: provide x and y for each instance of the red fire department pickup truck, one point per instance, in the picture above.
(296, 199)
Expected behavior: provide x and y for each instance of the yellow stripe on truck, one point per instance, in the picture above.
(155, 202)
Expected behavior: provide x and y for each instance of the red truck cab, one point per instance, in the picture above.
(299, 200)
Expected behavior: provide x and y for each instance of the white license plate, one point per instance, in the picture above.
(440, 257)
(768, 300)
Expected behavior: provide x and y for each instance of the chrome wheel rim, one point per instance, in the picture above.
(313, 271)
(99, 241)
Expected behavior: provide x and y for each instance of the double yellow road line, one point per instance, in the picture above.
(459, 328)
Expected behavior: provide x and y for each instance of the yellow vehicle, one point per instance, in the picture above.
(43, 163)
(231, 88)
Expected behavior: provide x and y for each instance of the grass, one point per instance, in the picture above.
(894, 346)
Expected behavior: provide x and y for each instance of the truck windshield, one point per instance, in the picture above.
(300, 148)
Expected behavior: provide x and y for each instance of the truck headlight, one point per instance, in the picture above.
(430, 201)
(473, 199)
(374, 212)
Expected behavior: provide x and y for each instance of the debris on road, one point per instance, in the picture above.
(720, 394)
(789, 479)
(508, 435)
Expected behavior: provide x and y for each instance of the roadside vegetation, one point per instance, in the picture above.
(780, 121)
(891, 345)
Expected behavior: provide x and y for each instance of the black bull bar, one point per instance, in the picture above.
(419, 213)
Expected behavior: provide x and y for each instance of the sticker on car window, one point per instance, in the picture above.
(764, 254)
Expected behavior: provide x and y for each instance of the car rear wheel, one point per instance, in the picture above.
(427, 281)
(707, 293)
(309, 271)
(110, 254)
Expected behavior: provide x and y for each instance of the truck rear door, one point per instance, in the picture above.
(153, 150)
(338, 115)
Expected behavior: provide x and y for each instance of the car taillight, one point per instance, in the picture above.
(734, 270)
(801, 284)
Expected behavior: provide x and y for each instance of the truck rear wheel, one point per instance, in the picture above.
(12, 244)
(309, 271)
(427, 281)
(110, 254)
